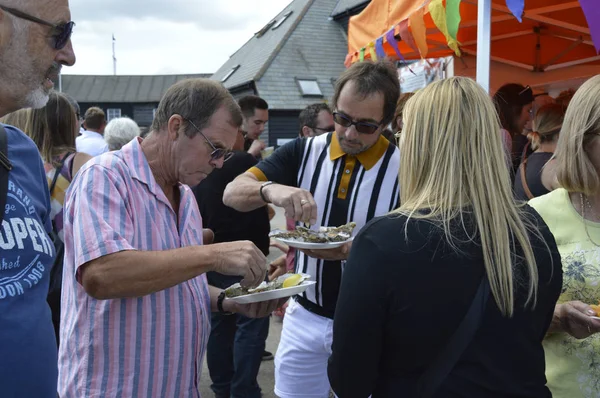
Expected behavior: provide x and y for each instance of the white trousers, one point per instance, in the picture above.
(301, 359)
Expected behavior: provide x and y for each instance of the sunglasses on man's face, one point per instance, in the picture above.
(217, 153)
(361, 127)
(61, 33)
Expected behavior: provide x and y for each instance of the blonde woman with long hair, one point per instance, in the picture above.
(532, 178)
(573, 215)
(457, 248)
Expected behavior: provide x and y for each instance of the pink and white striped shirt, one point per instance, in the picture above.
(151, 346)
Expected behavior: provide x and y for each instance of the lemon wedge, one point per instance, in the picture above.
(292, 280)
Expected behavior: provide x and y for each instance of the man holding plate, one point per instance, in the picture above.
(350, 175)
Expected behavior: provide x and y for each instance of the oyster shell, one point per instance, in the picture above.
(323, 235)
(237, 290)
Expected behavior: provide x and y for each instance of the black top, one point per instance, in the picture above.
(533, 173)
(228, 224)
(400, 302)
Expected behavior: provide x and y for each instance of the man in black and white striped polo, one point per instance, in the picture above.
(328, 180)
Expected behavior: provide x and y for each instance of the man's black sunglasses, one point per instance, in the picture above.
(60, 32)
(327, 129)
(361, 127)
(217, 153)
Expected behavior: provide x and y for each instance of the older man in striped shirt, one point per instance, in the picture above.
(136, 305)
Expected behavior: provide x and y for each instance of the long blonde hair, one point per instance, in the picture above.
(453, 163)
(574, 169)
(17, 119)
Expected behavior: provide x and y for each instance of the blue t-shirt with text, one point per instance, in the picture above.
(28, 367)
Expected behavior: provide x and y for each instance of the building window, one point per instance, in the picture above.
(228, 75)
(282, 20)
(265, 29)
(113, 113)
(309, 88)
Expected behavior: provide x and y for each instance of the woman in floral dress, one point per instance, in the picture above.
(572, 213)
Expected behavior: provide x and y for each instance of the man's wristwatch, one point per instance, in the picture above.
(220, 304)
(262, 194)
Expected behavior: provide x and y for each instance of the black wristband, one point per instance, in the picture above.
(260, 191)
(220, 304)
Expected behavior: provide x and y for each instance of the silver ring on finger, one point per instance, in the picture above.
(303, 202)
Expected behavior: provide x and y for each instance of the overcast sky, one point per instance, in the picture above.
(164, 36)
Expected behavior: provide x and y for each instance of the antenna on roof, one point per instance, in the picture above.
(114, 55)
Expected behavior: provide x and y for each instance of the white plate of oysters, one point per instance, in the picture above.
(285, 286)
(323, 238)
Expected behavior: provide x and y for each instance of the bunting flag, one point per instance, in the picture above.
(417, 25)
(591, 10)
(453, 17)
(517, 8)
(438, 14)
(371, 47)
(361, 55)
(379, 48)
(348, 60)
(389, 37)
(407, 36)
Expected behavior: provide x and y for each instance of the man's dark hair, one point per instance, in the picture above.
(370, 78)
(308, 116)
(249, 103)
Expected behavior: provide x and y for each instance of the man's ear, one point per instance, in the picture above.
(173, 126)
(306, 131)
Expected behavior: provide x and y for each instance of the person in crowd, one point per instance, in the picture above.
(459, 242)
(17, 119)
(533, 178)
(514, 104)
(77, 109)
(316, 119)
(53, 129)
(397, 122)
(136, 304)
(564, 97)
(256, 115)
(35, 43)
(91, 140)
(119, 132)
(236, 343)
(327, 180)
(572, 213)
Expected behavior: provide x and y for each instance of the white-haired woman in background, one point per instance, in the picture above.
(457, 239)
(119, 132)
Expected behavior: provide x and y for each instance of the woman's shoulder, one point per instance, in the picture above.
(398, 231)
(551, 203)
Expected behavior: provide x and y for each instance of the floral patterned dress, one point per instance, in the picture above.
(572, 365)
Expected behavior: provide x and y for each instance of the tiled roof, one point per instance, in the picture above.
(91, 88)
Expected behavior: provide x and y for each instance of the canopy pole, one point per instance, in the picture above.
(484, 36)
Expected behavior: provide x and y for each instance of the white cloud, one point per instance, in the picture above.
(160, 36)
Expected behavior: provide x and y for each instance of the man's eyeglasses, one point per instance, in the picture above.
(217, 153)
(361, 127)
(327, 129)
(61, 32)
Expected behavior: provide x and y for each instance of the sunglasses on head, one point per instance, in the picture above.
(361, 127)
(60, 32)
(217, 153)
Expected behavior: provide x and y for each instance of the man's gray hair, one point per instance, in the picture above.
(195, 100)
(119, 132)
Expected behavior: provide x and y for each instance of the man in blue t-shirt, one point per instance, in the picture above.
(34, 44)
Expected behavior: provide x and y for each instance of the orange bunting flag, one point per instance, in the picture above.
(438, 14)
(419, 31)
(407, 36)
